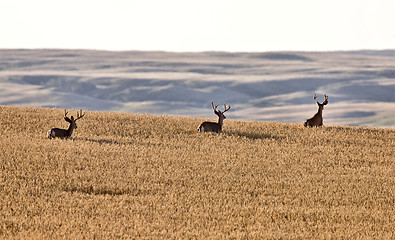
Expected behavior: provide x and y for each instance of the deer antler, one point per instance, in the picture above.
(79, 115)
(315, 97)
(226, 109)
(212, 105)
(65, 116)
(326, 100)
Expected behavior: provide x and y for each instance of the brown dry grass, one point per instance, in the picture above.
(144, 176)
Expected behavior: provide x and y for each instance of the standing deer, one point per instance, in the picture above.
(65, 133)
(317, 120)
(213, 126)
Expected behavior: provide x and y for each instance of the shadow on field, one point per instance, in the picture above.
(254, 136)
(102, 141)
(96, 191)
(123, 143)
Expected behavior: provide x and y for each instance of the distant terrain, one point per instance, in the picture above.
(270, 86)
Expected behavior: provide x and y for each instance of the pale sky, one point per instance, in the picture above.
(203, 25)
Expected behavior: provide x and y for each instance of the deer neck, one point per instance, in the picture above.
(220, 122)
(319, 112)
(71, 129)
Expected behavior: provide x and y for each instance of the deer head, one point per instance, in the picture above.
(317, 120)
(212, 126)
(71, 120)
(218, 112)
(321, 105)
(65, 133)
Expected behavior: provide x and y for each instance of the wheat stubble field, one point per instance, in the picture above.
(124, 176)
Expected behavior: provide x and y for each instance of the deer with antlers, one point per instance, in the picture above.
(213, 126)
(65, 133)
(317, 120)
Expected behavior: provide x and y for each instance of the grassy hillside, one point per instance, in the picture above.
(145, 176)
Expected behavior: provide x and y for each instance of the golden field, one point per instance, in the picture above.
(125, 176)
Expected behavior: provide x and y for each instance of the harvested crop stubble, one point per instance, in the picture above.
(144, 176)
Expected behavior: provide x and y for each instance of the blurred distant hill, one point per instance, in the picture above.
(270, 86)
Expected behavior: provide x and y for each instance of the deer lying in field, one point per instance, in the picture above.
(65, 133)
(213, 126)
(317, 120)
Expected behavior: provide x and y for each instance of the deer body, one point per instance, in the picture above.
(317, 120)
(65, 133)
(213, 126)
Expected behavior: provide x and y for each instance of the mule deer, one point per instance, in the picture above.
(65, 133)
(317, 120)
(213, 126)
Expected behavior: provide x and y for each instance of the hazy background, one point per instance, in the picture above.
(265, 58)
(270, 86)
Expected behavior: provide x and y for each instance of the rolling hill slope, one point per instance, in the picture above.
(147, 176)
